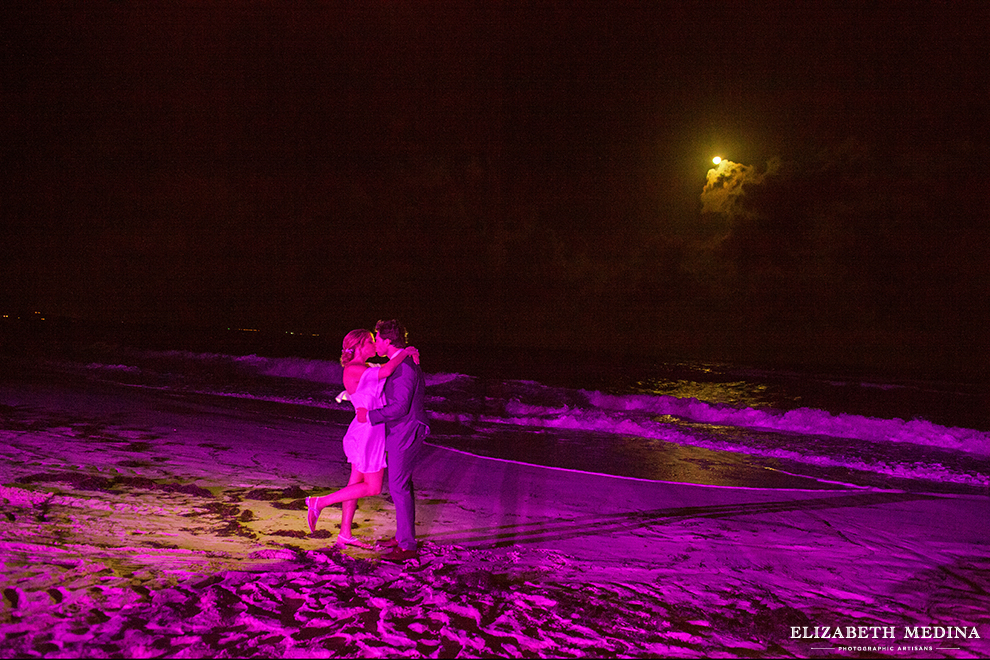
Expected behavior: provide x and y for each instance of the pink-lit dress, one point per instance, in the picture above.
(364, 444)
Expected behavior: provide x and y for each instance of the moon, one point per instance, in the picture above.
(717, 160)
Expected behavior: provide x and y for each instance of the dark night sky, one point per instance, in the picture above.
(500, 172)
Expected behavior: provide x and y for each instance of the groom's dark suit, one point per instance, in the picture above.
(405, 427)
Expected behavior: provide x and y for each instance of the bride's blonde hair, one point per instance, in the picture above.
(353, 340)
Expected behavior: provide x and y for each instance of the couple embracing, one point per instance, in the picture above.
(388, 429)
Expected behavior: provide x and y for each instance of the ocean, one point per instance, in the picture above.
(663, 419)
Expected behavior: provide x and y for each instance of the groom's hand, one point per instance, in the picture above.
(362, 415)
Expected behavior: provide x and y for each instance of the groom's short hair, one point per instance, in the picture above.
(393, 331)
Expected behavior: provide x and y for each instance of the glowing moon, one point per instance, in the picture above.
(717, 160)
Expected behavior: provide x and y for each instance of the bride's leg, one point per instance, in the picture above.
(370, 485)
(349, 506)
(315, 505)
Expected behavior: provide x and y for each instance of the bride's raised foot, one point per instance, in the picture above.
(312, 514)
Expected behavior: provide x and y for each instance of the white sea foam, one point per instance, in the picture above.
(803, 420)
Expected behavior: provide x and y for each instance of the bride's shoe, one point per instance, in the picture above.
(312, 515)
(350, 540)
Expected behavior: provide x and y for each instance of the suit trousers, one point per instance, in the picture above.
(401, 453)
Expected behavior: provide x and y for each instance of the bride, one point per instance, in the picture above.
(364, 444)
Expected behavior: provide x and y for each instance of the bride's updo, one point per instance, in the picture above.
(352, 341)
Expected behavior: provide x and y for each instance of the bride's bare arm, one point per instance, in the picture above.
(397, 359)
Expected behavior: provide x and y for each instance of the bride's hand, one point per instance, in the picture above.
(411, 350)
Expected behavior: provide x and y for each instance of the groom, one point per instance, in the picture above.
(405, 427)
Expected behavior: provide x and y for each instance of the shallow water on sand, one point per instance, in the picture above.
(677, 420)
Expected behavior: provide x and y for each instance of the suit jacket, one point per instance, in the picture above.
(403, 411)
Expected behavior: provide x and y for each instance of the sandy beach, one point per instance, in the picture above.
(139, 523)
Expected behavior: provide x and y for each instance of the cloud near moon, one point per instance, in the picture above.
(726, 184)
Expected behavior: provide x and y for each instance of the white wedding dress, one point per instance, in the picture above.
(364, 444)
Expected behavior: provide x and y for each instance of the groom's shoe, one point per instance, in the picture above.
(399, 555)
(387, 543)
